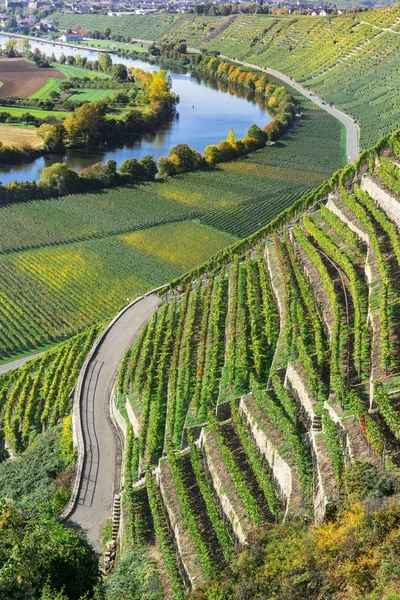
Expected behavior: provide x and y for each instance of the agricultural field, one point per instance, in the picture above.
(274, 352)
(19, 136)
(22, 78)
(88, 95)
(76, 285)
(183, 245)
(52, 85)
(132, 27)
(72, 71)
(17, 111)
(113, 46)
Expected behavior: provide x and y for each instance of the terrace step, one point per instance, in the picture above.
(185, 547)
(384, 199)
(325, 490)
(353, 440)
(316, 284)
(268, 440)
(231, 504)
(317, 423)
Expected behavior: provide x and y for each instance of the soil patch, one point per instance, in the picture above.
(19, 136)
(21, 78)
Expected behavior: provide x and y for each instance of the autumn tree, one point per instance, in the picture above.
(52, 136)
(87, 121)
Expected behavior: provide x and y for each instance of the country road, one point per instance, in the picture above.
(352, 131)
(102, 458)
(19, 362)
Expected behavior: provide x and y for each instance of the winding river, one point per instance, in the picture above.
(205, 114)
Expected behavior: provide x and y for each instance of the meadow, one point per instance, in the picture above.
(88, 95)
(17, 111)
(52, 85)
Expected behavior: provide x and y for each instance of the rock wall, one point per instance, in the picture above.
(383, 199)
(186, 549)
(283, 475)
(224, 488)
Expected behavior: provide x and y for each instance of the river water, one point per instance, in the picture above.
(205, 113)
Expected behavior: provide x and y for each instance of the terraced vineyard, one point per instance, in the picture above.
(266, 373)
(348, 60)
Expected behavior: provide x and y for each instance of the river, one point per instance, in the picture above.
(204, 116)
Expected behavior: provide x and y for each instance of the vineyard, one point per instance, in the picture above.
(39, 395)
(266, 373)
(142, 237)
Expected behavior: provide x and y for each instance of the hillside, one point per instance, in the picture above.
(349, 60)
(264, 375)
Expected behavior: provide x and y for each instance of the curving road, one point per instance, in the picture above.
(19, 362)
(102, 460)
(352, 130)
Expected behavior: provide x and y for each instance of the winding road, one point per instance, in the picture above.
(16, 364)
(102, 452)
(352, 130)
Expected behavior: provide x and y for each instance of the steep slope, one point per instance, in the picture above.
(270, 370)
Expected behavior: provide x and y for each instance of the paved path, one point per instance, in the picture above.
(101, 468)
(352, 131)
(15, 364)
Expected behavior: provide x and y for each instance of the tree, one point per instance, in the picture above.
(86, 121)
(150, 167)
(52, 136)
(166, 168)
(10, 48)
(119, 72)
(105, 174)
(60, 178)
(36, 552)
(105, 62)
(132, 171)
(257, 134)
(212, 154)
(185, 158)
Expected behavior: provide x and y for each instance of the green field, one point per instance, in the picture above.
(113, 46)
(88, 95)
(79, 284)
(72, 71)
(52, 85)
(35, 112)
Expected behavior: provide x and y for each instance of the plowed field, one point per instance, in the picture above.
(22, 78)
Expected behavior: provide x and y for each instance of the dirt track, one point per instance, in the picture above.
(22, 78)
